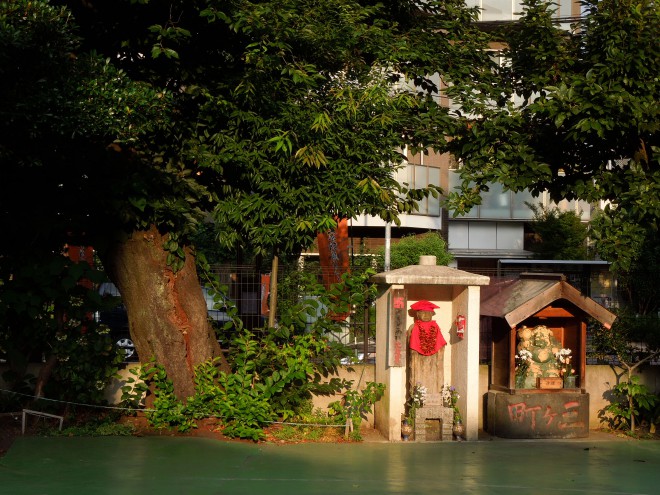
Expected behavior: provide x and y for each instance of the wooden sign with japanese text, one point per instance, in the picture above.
(397, 344)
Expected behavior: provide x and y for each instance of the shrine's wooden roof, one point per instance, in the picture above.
(517, 299)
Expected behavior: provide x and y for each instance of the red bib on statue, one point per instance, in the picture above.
(426, 338)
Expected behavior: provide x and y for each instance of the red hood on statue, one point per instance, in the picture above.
(425, 336)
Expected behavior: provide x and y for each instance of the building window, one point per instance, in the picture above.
(497, 204)
(508, 10)
(420, 175)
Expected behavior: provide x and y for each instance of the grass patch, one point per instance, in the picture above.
(102, 427)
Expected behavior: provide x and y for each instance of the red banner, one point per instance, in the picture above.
(265, 294)
(333, 253)
(81, 254)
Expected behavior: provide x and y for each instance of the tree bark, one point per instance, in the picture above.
(167, 313)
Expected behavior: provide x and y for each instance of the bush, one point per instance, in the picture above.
(632, 402)
(271, 376)
(357, 404)
(274, 374)
(558, 235)
(407, 251)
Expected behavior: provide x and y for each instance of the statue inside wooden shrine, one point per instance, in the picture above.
(536, 357)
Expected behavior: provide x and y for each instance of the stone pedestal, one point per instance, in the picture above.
(562, 414)
(434, 411)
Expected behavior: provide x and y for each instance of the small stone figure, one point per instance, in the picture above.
(425, 348)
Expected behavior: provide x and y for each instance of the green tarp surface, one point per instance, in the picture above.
(174, 465)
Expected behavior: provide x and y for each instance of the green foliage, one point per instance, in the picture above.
(274, 373)
(272, 376)
(355, 436)
(244, 407)
(288, 433)
(408, 249)
(105, 427)
(167, 411)
(306, 413)
(134, 390)
(45, 314)
(206, 242)
(309, 424)
(558, 235)
(86, 363)
(65, 109)
(631, 402)
(274, 117)
(575, 113)
(286, 368)
(303, 298)
(634, 339)
(269, 379)
(638, 284)
(160, 122)
(358, 403)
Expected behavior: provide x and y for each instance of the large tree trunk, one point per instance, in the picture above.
(167, 313)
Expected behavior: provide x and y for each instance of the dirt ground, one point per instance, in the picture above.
(11, 426)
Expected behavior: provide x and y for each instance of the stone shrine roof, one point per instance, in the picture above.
(429, 275)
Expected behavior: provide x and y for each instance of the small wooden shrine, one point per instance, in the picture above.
(538, 324)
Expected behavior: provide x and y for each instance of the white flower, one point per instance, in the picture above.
(418, 395)
(103, 329)
(76, 301)
(564, 356)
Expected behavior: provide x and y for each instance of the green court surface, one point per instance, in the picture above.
(173, 465)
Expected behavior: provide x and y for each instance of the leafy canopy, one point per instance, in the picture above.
(574, 113)
(273, 117)
(283, 115)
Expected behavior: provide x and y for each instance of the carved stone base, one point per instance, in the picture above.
(553, 414)
(437, 412)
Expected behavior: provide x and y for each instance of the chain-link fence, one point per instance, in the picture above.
(250, 291)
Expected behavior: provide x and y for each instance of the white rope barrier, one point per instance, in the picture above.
(98, 406)
(284, 423)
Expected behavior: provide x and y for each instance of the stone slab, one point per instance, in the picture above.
(557, 414)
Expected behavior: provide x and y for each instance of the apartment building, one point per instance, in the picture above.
(491, 238)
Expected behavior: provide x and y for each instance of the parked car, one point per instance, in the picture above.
(117, 319)
(358, 350)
